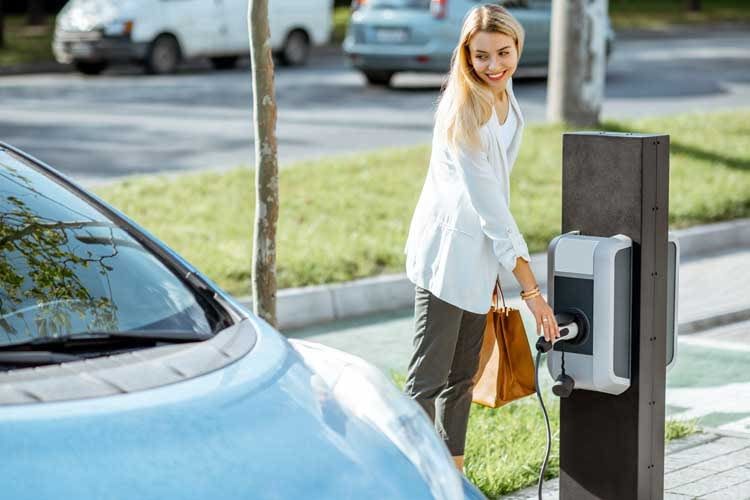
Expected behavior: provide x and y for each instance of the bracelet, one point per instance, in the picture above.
(533, 291)
(532, 295)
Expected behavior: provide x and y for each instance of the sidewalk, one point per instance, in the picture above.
(706, 466)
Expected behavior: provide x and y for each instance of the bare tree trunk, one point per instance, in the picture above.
(266, 163)
(578, 59)
(35, 15)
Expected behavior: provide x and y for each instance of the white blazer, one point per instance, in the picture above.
(462, 230)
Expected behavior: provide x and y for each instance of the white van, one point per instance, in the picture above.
(159, 33)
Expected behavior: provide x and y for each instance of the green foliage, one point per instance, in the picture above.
(39, 285)
(26, 44)
(347, 217)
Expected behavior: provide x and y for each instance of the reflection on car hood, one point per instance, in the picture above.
(259, 428)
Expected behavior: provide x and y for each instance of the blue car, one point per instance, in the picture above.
(126, 374)
(386, 37)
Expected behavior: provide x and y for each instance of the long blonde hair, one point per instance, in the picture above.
(466, 103)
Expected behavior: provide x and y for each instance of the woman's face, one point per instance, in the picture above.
(494, 58)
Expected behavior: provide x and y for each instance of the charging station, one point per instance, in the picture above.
(612, 282)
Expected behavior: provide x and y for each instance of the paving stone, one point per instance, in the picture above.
(691, 441)
(687, 475)
(713, 483)
(692, 456)
(727, 462)
(675, 496)
(737, 492)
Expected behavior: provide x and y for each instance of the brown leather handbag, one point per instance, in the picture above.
(506, 368)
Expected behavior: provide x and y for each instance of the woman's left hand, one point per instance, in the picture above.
(545, 318)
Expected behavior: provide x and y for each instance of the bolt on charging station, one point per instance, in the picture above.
(612, 279)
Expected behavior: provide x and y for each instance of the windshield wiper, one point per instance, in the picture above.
(170, 336)
(36, 358)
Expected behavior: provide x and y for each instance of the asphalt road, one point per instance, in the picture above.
(101, 128)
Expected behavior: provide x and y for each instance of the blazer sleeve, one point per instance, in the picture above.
(487, 196)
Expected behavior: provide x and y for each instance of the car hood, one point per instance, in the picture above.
(86, 15)
(258, 428)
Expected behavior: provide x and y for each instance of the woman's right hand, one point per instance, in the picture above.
(545, 318)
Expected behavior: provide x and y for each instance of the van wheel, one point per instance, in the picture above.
(224, 62)
(163, 55)
(379, 78)
(90, 68)
(296, 49)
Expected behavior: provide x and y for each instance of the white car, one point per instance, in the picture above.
(91, 34)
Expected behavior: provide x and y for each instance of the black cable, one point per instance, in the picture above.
(546, 420)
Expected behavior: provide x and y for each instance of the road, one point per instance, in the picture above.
(102, 128)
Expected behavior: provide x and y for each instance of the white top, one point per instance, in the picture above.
(462, 230)
(508, 129)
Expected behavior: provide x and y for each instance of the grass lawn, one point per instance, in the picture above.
(347, 217)
(26, 44)
(505, 446)
(655, 14)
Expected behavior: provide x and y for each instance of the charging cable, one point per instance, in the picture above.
(563, 385)
(544, 410)
(542, 346)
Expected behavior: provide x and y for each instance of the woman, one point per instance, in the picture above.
(462, 230)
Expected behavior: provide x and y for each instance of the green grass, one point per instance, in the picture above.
(347, 217)
(657, 14)
(26, 44)
(505, 446)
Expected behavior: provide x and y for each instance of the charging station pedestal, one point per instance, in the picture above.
(612, 446)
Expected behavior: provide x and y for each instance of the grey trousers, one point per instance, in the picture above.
(447, 343)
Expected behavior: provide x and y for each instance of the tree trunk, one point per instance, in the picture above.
(577, 62)
(266, 163)
(35, 15)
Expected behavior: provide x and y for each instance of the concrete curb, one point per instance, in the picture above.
(300, 307)
(713, 320)
(35, 68)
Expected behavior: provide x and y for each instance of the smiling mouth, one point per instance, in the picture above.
(496, 76)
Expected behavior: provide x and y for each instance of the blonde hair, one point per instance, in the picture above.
(466, 103)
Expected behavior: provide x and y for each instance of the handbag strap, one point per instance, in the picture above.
(498, 290)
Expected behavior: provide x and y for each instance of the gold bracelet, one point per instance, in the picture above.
(532, 295)
(529, 292)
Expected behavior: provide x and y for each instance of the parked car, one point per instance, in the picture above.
(385, 37)
(126, 373)
(91, 34)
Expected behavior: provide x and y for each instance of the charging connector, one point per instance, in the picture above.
(570, 327)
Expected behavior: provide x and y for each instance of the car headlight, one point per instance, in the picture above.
(368, 394)
(118, 27)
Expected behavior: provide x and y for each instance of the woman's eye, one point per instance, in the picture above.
(503, 54)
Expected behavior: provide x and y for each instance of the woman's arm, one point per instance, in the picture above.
(543, 313)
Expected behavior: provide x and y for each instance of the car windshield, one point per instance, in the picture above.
(66, 267)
